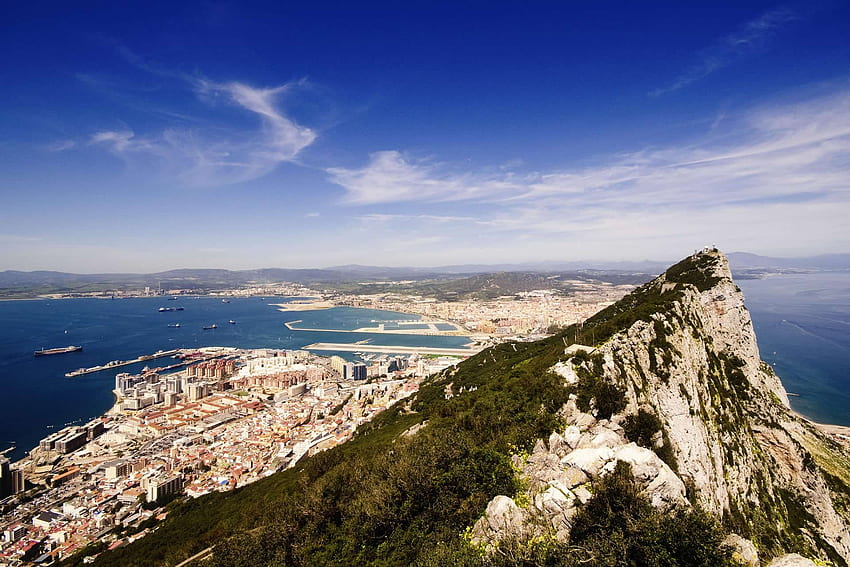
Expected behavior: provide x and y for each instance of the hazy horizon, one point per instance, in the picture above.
(138, 139)
(565, 265)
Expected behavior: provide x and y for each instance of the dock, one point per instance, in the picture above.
(119, 363)
(390, 349)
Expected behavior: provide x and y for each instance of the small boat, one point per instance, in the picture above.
(225, 301)
(63, 350)
(174, 325)
(232, 322)
(213, 326)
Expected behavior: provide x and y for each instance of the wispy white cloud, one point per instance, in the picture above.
(200, 157)
(749, 39)
(399, 218)
(61, 145)
(118, 140)
(391, 177)
(9, 238)
(789, 166)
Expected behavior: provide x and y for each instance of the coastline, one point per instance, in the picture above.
(832, 429)
(838, 433)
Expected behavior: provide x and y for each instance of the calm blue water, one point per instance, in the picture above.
(36, 398)
(802, 322)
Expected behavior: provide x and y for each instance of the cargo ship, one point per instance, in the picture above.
(46, 351)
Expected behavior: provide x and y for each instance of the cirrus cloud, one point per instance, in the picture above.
(749, 39)
(771, 168)
(199, 157)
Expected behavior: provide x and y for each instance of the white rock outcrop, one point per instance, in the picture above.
(725, 417)
(743, 550)
(792, 560)
(502, 519)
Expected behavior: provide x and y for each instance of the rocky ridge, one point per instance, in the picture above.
(699, 417)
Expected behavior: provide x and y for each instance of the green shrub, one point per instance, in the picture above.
(592, 391)
(642, 427)
(618, 526)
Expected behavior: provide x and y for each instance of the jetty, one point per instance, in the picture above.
(118, 363)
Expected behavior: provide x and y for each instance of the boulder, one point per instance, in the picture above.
(557, 444)
(792, 560)
(658, 482)
(743, 550)
(572, 436)
(502, 519)
(590, 460)
(601, 437)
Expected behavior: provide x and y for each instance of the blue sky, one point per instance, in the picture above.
(143, 136)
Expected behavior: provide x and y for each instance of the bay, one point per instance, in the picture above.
(36, 398)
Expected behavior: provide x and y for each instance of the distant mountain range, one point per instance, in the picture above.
(27, 284)
(747, 261)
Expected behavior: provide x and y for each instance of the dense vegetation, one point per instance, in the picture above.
(389, 497)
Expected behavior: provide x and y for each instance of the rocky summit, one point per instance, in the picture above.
(721, 435)
(652, 434)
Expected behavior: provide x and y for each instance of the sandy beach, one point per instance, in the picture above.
(839, 433)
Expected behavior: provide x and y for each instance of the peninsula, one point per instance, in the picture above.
(659, 404)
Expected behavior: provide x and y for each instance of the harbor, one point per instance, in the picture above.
(123, 330)
(119, 363)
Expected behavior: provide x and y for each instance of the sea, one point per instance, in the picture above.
(36, 398)
(802, 322)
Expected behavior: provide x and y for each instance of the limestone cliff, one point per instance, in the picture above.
(681, 364)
